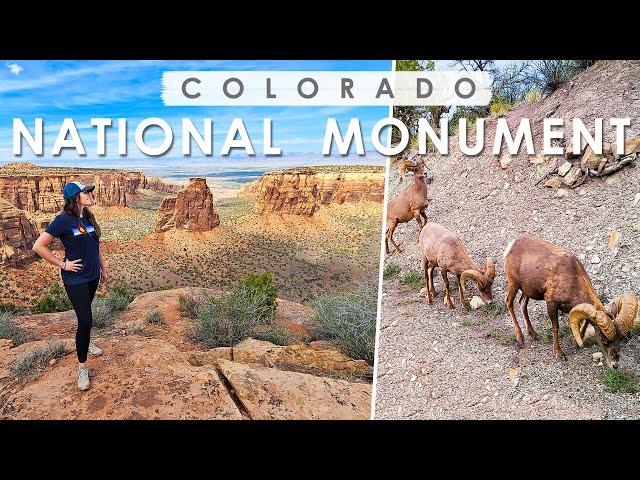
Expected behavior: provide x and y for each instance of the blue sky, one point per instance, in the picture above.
(115, 89)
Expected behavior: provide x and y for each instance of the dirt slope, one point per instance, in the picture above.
(474, 370)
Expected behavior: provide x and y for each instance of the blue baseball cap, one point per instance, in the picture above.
(71, 189)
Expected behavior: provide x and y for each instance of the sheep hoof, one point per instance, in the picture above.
(560, 355)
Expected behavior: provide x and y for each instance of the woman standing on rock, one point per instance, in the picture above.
(82, 267)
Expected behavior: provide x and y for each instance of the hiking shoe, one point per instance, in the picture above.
(83, 378)
(93, 350)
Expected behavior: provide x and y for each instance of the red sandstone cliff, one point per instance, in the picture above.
(39, 189)
(192, 209)
(302, 191)
(17, 234)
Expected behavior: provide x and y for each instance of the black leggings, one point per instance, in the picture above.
(81, 297)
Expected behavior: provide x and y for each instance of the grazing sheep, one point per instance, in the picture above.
(442, 248)
(543, 271)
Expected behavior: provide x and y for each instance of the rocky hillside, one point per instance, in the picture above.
(154, 371)
(39, 189)
(301, 191)
(465, 363)
(192, 209)
(17, 234)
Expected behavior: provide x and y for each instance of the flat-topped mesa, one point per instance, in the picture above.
(301, 191)
(39, 189)
(192, 209)
(249, 190)
(17, 234)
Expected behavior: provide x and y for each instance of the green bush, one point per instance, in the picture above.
(119, 298)
(229, 319)
(10, 331)
(263, 287)
(349, 321)
(412, 279)
(532, 97)
(155, 317)
(620, 381)
(29, 364)
(276, 333)
(389, 271)
(102, 312)
(55, 300)
(189, 304)
(499, 108)
(9, 308)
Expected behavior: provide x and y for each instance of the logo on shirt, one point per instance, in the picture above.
(82, 230)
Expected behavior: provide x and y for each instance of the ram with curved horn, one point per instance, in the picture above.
(542, 271)
(442, 248)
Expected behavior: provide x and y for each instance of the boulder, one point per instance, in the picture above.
(592, 160)
(505, 160)
(572, 177)
(300, 358)
(630, 146)
(564, 168)
(268, 393)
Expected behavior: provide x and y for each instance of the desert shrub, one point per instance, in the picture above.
(620, 381)
(495, 308)
(102, 312)
(55, 300)
(229, 319)
(412, 279)
(155, 317)
(532, 97)
(119, 298)
(349, 321)
(389, 271)
(29, 363)
(549, 75)
(276, 333)
(261, 287)
(9, 308)
(498, 108)
(10, 331)
(189, 304)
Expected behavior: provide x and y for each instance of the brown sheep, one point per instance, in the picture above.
(442, 248)
(411, 203)
(543, 271)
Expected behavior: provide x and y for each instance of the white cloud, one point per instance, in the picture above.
(15, 68)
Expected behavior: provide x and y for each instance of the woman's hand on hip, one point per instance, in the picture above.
(73, 265)
(104, 274)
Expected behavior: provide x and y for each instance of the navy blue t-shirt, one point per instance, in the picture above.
(80, 241)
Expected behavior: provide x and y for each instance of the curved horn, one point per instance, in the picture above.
(490, 268)
(625, 309)
(474, 275)
(586, 311)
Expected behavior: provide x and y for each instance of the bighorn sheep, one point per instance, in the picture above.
(410, 203)
(442, 248)
(408, 164)
(543, 271)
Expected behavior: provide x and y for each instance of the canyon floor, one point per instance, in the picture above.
(436, 363)
(335, 249)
